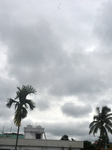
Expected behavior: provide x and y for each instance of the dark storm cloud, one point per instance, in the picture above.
(72, 110)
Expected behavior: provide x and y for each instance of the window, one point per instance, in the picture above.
(38, 136)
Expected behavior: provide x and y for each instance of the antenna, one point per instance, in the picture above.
(3, 130)
(10, 129)
(45, 136)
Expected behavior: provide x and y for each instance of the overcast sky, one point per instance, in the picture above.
(63, 48)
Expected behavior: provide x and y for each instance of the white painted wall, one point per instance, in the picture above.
(43, 144)
(30, 135)
(30, 132)
(33, 148)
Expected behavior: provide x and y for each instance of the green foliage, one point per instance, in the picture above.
(64, 137)
(102, 141)
(88, 146)
(102, 121)
(22, 104)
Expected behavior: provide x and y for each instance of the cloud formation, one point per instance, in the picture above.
(76, 111)
(65, 54)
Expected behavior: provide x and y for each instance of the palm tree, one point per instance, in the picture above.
(21, 105)
(102, 141)
(102, 122)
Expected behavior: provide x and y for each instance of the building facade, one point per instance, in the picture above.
(35, 139)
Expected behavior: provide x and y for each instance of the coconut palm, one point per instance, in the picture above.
(21, 105)
(102, 141)
(102, 122)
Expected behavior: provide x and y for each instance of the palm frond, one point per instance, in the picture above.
(108, 122)
(17, 117)
(17, 105)
(102, 121)
(20, 113)
(108, 128)
(23, 103)
(23, 112)
(10, 102)
(97, 110)
(96, 117)
(105, 110)
(109, 116)
(92, 128)
(26, 106)
(92, 123)
(24, 91)
(30, 103)
(30, 89)
(95, 129)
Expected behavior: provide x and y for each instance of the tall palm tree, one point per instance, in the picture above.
(102, 122)
(21, 105)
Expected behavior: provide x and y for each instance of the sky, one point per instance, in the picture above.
(64, 50)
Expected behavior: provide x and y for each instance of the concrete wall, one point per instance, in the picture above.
(30, 144)
(30, 132)
(29, 135)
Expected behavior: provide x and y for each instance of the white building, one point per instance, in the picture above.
(34, 140)
(34, 132)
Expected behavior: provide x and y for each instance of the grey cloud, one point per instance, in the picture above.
(103, 33)
(54, 130)
(77, 130)
(72, 110)
(7, 88)
(104, 24)
(5, 115)
(50, 51)
(43, 105)
(36, 55)
(9, 126)
(80, 75)
(72, 129)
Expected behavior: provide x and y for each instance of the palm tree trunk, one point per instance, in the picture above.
(17, 138)
(100, 138)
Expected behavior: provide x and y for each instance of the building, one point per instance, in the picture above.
(35, 139)
(34, 132)
(11, 135)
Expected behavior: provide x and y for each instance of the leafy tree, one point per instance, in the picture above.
(21, 105)
(64, 137)
(102, 122)
(102, 141)
(88, 146)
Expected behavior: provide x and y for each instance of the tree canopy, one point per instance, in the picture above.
(102, 122)
(64, 137)
(21, 104)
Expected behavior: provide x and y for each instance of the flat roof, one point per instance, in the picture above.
(11, 135)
